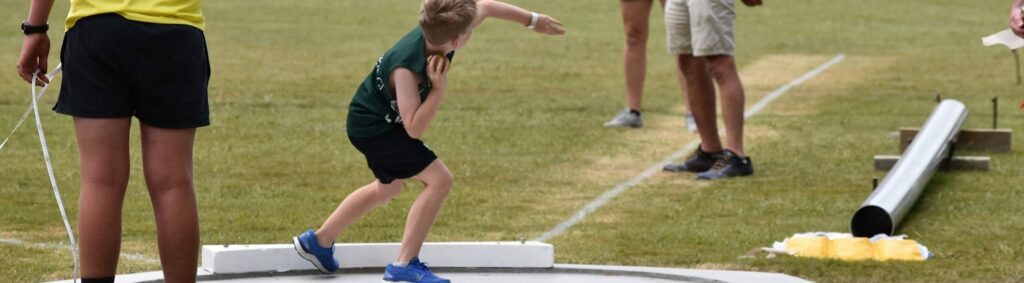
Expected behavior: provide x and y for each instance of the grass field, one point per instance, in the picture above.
(521, 131)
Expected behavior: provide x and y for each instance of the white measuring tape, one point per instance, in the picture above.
(46, 157)
(28, 109)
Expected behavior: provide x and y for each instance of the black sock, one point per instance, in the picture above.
(99, 280)
(634, 111)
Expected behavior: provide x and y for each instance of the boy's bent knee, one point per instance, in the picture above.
(436, 175)
(442, 180)
(446, 181)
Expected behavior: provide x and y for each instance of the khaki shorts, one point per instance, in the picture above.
(700, 27)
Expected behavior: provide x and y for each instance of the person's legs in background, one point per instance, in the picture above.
(714, 41)
(702, 36)
(700, 93)
(723, 69)
(635, 18)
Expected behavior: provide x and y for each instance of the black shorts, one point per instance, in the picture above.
(394, 155)
(115, 68)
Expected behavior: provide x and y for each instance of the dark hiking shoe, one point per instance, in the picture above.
(697, 162)
(730, 165)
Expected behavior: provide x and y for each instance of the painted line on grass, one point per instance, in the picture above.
(753, 110)
(57, 246)
(655, 168)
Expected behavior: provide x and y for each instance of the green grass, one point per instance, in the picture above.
(521, 132)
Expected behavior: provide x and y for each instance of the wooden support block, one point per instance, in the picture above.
(994, 140)
(959, 163)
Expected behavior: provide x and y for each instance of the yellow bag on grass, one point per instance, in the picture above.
(843, 246)
(895, 249)
(852, 249)
(816, 247)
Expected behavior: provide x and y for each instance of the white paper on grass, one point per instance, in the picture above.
(780, 247)
(1006, 38)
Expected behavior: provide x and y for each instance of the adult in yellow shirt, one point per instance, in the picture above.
(124, 59)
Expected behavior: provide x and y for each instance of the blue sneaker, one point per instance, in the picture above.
(307, 247)
(415, 272)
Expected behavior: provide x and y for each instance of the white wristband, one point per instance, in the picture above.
(533, 20)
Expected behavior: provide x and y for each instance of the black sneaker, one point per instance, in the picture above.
(730, 165)
(697, 162)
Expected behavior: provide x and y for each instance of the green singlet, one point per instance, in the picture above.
(374, 108)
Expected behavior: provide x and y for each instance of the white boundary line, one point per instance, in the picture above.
(61, 246)
(753, 110)
(655, 168)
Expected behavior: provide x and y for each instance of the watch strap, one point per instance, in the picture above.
(30, 29)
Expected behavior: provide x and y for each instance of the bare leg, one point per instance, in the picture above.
(723, 69)
(104, 162)
(438, 181)
(635, 17)
(681, 77)
(701, 97)
(354, 206)
(167, 163)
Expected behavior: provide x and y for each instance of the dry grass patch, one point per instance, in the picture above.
(851, 72)
(661, 135)
(772, 71)
(664, 133)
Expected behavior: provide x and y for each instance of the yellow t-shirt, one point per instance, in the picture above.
(185, 12)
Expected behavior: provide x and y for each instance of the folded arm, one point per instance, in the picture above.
(416, 115)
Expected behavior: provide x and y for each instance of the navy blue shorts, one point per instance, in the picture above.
(394, 155)
(116, 68)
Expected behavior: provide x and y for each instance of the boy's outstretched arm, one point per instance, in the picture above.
(490, 8)
(416, 116)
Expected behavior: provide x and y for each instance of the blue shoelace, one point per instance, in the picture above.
(420, 267)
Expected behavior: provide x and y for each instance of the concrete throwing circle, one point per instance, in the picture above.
(561, 273)
(470, 277)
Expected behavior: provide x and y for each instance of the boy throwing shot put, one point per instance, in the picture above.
(390, 112)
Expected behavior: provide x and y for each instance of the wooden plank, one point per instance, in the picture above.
(959, 163)
(993, 140)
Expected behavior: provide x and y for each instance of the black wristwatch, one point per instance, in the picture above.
(30, 29)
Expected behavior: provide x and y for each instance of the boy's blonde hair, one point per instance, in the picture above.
(442, 20)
